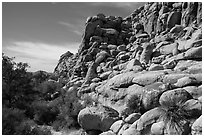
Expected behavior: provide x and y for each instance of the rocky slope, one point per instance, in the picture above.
(142, 73)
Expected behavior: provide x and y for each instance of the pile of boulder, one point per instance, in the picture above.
(143, 72)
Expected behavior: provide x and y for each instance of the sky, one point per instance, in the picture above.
(39, 32)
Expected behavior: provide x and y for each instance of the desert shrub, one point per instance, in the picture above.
(11, 118)
(29, 127)
(175, 119)
(40, 76)
(44, 113)
(18, 95)
(17, 89)
(25, 127)
(54, 76)
(14, 122)
(68, 112)
(48, 87)
(39, 131)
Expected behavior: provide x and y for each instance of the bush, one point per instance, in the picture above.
(54, 76)
(11, 118)
(68, 112)
(17, 89)
(49, 87)
(14, 122)
(18, 95)
(44, 113)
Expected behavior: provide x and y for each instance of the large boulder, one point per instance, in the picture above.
(158, 128)
(197, 127)
(173, 19)
(124, 128)
(65, 62)
(195, 92)
(191, 66)
(105, 75)
(194, 53)
(146, 53)
(97, 118)
(101, 56)
(189, 13)
(121, 80)
(168, 49)
(143, 125)
(174, 97)
(132, 118)
(90, 28)
(148, 77)
(132, 63)
(150, 98)
(110, 32)
(116, 126)
(185, 81)
(155, 67)
(193, 107)
(151, 23)
(172, 78)
(91, 73)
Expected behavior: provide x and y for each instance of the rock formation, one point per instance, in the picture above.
(147, 67)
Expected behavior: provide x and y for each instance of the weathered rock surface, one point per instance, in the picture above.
(174, 97)
(132, 118)
(197, 127)
(158, 128)
(97, 118)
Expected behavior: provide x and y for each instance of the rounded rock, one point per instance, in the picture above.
(197, 127)
(97, 118)
(132, 118)
(158, 128)
(174, 97)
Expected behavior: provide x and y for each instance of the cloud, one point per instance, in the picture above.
(40, 56)
(78, 32)
(130, 6)
(127, 6)
(66, 24)
(72, 27)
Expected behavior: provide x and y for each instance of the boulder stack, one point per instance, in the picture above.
(144, 71)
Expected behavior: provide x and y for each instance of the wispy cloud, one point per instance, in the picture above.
(39, 55)
(129, 6)
(76, 28)
(66, 24)
(78, 32)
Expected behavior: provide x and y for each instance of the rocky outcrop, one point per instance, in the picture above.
(65, 63)
(147, 67)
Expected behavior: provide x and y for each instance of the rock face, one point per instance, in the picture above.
(145, 68)
(97, 118)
